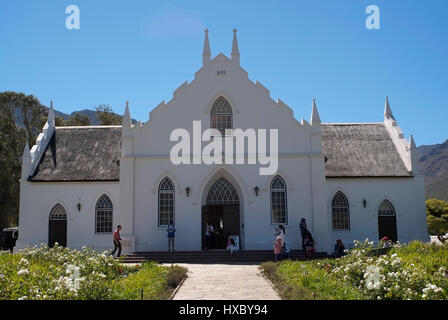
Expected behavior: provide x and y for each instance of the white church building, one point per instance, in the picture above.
(350, 181)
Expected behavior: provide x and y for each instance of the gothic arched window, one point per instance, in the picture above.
(221, 115)
(340, 212)
(222, 192)
(58, 213)
(279, 209)
(103, 214)
(166, 202)
(386, 209)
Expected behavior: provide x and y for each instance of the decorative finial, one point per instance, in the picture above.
(51, 119)
(315, 119)
(235, 55)
(127, 117)
(206, 54)
(414, 156)
(412, 143)
(388, 110)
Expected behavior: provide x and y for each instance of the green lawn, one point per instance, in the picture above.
(416, 271)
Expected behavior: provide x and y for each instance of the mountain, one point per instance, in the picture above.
(90, 113)
(434, 164)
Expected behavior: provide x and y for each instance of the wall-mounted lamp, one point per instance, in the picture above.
(187, 191)
(256, 189)
(79, 206)
(364, 202)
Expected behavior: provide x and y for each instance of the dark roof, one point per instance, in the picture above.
(360, 150)
(93, 153)
(81, 154)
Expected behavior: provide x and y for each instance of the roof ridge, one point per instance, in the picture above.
(351, 124)
(89, 127)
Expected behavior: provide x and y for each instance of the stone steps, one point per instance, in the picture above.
(214, 256)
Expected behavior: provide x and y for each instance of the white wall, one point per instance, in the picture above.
(405, 194)
(255, 211)
(37, 199)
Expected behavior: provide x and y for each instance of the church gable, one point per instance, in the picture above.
(218, 78)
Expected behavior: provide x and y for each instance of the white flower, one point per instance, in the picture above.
(23, 261)
(23, 298)
(23, 272)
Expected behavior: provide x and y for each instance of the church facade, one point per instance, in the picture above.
(350, 181)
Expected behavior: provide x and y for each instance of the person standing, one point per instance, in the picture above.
(171, 230)
(339, 249)
(309, 244)
(278, 249)
(230, 245)
(117, 242)
(303, 232)
(282, 234)
(209, 235)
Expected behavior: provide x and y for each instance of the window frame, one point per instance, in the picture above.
(166, 191)
(285, 192)
(339, 206)
(57, 206)
(104, 210)
(394, 212)
(220, 113)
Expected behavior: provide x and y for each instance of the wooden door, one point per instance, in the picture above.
(57, 233)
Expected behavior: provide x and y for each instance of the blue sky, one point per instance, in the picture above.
(142, 51)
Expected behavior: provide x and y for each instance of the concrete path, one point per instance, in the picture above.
(225, 282)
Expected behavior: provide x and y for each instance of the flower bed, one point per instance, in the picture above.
(62, 273)
(415, 271)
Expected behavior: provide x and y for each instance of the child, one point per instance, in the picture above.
(278, 248)
(309, 244)
(230, 244)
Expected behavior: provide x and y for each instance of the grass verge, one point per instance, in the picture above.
(151, 282)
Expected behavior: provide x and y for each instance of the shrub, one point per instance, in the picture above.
(60, 273)
(176, 275)
(414, 271)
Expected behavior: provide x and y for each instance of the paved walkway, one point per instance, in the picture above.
(225, 282)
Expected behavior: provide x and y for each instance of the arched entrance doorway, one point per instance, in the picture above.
(387, 221)
(57, 228)
(222, 210)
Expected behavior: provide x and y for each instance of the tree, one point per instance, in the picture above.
(78, 119)
(59, 121)
(21, 119)
(106, 116)
(437, 217)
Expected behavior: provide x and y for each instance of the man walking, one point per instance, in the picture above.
(117, 242)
